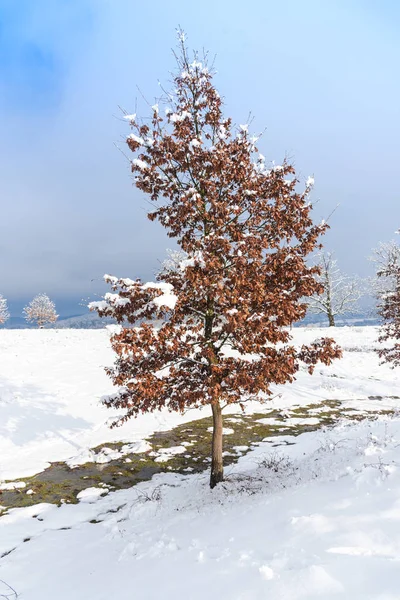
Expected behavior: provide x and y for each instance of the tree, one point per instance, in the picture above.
(4, 314)
(174, 261)
(387, 256)
(41, 310)
(244, 232)
(340, 292)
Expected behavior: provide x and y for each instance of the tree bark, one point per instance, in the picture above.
(331, 319)
(217, 468)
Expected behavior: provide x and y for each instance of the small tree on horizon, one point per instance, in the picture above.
(244, 232)
(41, 310)
(387, 257)
(341, 292)
(4, 313)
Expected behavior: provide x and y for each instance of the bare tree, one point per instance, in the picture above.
(4, 313)
(41, 310)
(340, 292)
(387, 289)
(245, 232)
(386, 254)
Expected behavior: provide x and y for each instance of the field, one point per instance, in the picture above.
(310, 507)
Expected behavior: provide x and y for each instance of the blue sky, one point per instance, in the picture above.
(321, 77)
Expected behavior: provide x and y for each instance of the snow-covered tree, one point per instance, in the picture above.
(387, 257)
(174, 260)
(41, 310)
(4, 314)
(341, 292)
(245, 232)
(387, 253)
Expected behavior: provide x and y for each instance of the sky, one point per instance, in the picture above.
(320, 77)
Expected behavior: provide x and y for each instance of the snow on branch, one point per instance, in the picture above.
(134, 300)
(41, 310)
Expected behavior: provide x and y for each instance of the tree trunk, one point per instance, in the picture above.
(217, 468)
(331, 319)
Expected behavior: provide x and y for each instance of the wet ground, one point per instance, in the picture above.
(184, 449)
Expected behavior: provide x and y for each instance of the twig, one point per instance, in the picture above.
(12, 595)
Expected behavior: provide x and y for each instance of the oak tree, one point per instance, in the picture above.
(213, 329)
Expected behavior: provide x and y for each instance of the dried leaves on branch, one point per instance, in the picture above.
(244, 232)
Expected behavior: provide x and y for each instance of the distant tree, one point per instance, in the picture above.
(245, 233)
(4, 314)
(387, 257)
(174, 261)
(41, 310)
(340, 292)
(387, 253)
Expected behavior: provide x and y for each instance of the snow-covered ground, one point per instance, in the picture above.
(325, 526)
(319, 519)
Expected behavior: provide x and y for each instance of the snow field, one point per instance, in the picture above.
(316, 519)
